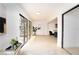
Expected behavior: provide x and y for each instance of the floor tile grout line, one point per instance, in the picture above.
(67, 51)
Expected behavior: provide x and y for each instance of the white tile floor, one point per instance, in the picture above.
(73, 51)
(42, 45)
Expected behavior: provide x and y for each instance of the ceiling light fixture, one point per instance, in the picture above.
(38, 13)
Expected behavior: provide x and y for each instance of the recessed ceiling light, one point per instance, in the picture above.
(38, 13)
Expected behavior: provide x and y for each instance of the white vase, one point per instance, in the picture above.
(34, 33)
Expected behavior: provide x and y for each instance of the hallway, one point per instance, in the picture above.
(42, 45)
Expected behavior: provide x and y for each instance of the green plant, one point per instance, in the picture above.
(35, 28)
(13, 41)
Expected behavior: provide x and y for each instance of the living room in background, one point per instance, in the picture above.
(53, 27)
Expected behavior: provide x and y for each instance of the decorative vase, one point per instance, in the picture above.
(34, 33)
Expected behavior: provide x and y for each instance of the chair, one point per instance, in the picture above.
(50, 33)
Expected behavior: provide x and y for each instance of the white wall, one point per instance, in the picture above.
(71, 29)
(11, 11)
(43, 25)
(2, 37)
(61, 10)
(2, 10)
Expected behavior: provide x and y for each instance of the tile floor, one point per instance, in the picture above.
(42, 45)
(73, 51)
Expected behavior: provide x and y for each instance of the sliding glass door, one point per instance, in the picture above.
(23, 28)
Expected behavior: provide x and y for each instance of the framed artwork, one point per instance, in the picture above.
(2, 25)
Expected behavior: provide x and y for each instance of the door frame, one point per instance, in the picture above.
(62, 43)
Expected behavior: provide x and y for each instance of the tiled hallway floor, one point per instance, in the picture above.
(73, 51)
(42, 45)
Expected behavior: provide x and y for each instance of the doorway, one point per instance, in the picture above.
(52, 28)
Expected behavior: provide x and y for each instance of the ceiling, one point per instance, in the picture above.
(42, 11)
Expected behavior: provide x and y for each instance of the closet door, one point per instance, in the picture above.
(71, 29)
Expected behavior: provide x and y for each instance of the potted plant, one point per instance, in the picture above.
(35, 29)
(14, 43)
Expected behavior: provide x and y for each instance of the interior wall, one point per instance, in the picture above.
(43, 27)
(71, 29)
(2, 14)
(11, 11)
(2, 10)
